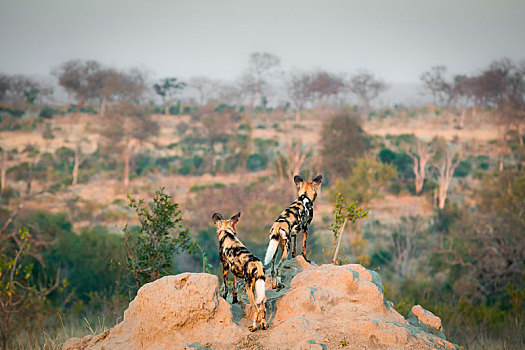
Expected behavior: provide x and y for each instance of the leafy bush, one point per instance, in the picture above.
(191, 166)
(143, 163)
(16, 113)
(48, 113)
(19, 171)
(197, 188)
(256, 162)
(175, 110)
(159, 236)
(165, 162)
(386, 155)
(463, 169)
(7, 194)
(85, 109)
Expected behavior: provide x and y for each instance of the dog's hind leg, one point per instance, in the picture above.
(251, 296)
(286, 249)
(225, 280)
(234, 300)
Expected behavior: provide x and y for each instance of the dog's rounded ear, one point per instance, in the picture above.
(216, 217)
(317, 180)
(236, 217)
(298, 180)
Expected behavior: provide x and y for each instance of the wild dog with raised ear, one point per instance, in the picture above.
(243, 264)
(292, 221)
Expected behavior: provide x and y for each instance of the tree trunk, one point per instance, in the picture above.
(167, 109)
(29, 179)
(76, 165)
(336, 250)
(462, 116)
(257, 97)
(442, 196)
(79, 108)
(503, 147)
(419, 184)
(3, 172)
(419, 165)
(446, 172)
(127, 156)
(297, 115)
(520, 137)
(103, 106)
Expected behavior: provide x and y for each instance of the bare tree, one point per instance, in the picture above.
(435, 81)
(405, 245)
(366, 87)
(462, 93)
(4, 85)
(324, 84)
(261, 67)
(420, 155)
(502, 87)
(299, 88)
(78, 158)
(232, 94)
(19, 90)
(127, 125)
(112, 83)
(4, 165)
(298, 154)
(204, 86)
(218, 127)
(446, 157)
(81, 78)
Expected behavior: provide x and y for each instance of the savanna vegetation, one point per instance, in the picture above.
(116, 187)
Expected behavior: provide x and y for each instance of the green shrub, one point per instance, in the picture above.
(19, 171)
(198, 188)
(48, 113)
(175, 110)
(387, 155)
(165, 162)
(160, 235)
(256, 162)
(16, 113)
(463, 169)
(143, 163)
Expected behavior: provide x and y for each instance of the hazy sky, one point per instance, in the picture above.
(395, 39)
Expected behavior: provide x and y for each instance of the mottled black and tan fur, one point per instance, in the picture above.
(243, 264)
(291, 222)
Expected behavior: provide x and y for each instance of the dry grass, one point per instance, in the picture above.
(54, 338)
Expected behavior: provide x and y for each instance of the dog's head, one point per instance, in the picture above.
(229, 224)
(308, 188)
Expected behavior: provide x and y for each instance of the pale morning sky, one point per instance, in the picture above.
(395, 39)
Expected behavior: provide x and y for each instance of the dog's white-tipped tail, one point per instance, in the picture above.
(270, 252)
(260, 291)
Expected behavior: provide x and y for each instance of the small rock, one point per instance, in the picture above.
(427, 317)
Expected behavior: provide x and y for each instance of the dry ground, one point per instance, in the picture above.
(102, 193)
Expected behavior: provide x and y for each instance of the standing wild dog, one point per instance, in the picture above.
(243, 264)
(292, 221)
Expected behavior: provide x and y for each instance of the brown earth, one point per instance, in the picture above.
(320, 307)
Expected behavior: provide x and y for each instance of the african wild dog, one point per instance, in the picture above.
(243, 264)
(295, 218)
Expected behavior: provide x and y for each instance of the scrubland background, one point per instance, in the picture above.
(443, 182)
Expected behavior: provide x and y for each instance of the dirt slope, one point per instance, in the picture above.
(324, 307)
